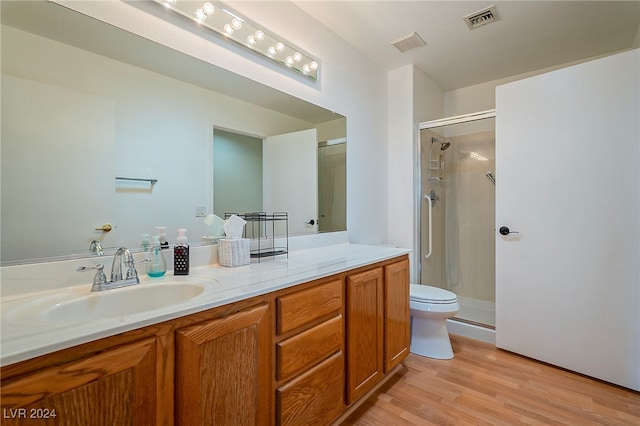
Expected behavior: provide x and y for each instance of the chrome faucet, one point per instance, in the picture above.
(122, 258)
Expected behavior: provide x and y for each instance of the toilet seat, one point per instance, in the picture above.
(429, 294)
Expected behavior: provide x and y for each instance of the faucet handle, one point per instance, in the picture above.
(99, 278)
(127, 258)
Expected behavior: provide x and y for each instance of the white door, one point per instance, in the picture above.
(290, 178)
(568, 181)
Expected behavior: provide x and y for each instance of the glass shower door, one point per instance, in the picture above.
(458, 179)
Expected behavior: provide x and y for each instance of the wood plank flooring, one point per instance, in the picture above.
(483, 385)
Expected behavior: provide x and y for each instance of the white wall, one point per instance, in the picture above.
(349, 84)
(413, 97)
(400, 154)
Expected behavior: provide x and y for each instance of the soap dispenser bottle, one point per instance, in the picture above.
(164, 244)
(144, 243)
(181, 254)
(157, 266)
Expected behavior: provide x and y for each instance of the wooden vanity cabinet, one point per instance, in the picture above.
(116, 386)
(212, 367)
(397, 316)
(309, 347)
(377, 328)
(223, 370)
(365, 333)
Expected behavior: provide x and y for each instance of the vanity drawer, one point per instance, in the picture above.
(314, 398)
(308, 348)
(305, 306)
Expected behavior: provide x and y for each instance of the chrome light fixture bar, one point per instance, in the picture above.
(232, 26)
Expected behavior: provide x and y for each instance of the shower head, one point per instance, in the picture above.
(443, 145)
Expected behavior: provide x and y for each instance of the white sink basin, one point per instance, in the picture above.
(81, 305)
(127, 301)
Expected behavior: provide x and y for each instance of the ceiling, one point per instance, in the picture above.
(530, 35)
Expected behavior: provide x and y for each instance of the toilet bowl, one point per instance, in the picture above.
(430, 307)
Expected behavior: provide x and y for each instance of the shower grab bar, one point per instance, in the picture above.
(428, 197)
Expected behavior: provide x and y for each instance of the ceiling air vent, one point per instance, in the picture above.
(481, 17)
(408, 42)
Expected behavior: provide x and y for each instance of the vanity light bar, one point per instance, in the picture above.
(233, 26)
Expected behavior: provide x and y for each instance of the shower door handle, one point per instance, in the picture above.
(504, 230)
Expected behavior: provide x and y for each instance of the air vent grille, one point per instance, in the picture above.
(408, 42)
(481, 17)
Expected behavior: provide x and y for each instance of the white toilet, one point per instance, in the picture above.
(430, 308)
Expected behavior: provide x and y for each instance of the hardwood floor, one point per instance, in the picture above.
(483, 385)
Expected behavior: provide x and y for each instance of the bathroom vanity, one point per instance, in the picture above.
(289, 342)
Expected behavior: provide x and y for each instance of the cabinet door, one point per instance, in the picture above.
(223, 370)
(396, 313)
(115, 387)
(364, 316)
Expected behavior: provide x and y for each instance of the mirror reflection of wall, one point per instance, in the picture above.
(237, 173)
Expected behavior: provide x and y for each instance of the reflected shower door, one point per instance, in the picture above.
(332, 193)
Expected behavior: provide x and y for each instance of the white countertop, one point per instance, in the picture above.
(25, 333)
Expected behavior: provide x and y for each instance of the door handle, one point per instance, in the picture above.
(504, 230)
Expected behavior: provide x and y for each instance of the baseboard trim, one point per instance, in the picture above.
(473, 331)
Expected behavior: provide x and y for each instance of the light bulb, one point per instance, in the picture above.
(313, 65)
(251, 40)
(259, 35)
(271, 50)
(228, 29)
(297, 56)
(200, 15)
(289, 60)
(279, 46)
(305, 68)
(236, 23)
(208, 8)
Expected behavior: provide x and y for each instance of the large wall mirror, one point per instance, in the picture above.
(100, 126)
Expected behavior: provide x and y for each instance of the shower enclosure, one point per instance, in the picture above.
(457, 240)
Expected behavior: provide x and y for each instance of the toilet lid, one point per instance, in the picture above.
(429, 294)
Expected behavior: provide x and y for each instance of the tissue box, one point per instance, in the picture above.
(234, 252)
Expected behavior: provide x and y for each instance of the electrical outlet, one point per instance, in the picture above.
(201, 211)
